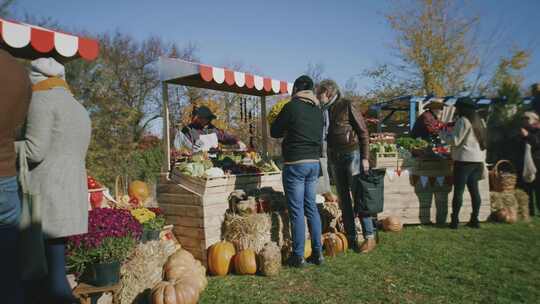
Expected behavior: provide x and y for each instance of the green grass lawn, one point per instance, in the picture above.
(496, 264)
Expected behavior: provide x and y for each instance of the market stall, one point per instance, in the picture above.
(418, 182)
(194, 191)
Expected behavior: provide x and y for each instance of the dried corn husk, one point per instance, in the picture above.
(523, 205)
(331, 217)
(501, 200)
(251, 231)
(144, 270)
(270, 259)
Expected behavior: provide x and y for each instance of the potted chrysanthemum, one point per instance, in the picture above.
(111, 238)
(152, 221)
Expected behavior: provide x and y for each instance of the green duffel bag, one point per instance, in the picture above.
(368, 191)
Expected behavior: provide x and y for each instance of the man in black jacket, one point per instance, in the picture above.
(300, 123)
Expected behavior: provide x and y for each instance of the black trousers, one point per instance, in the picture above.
(466, 174)
(533, 190)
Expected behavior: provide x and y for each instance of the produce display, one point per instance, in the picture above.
(385, 137)
(410, 144)
(383, 148)
(201, 165)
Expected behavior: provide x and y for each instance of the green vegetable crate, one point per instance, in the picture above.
(385, 160)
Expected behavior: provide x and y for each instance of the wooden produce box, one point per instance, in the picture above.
(196, 206)
(385, 160)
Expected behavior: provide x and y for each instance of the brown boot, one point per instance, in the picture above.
(368, 246)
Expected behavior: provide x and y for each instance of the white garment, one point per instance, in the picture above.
(465, 145)
(44, 68)
(529, 168)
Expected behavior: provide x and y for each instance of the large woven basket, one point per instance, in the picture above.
(503, 181)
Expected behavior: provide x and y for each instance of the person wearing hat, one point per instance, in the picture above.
(201, 124)
(468, 140)
(428, 125)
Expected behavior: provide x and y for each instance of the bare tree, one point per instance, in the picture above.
(315, 71)
(5, 6)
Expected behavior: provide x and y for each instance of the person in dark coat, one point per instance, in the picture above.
(428, 125)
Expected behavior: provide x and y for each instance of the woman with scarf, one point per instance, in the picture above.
(56, 141)
(468, 141)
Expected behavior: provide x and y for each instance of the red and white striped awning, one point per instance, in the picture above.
(182, 72)
(30, 42)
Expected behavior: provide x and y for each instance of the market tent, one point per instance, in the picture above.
(30, 42)
(414, 105)
(180, 72)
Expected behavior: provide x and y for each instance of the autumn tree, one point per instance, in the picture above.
(434, 41)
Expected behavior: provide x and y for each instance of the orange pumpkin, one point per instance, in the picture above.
(220, 256)
(307, 249)
(331, 244)
(392, 223)
(344, 241)
(245, 262)
(139, 190)
(164, 293)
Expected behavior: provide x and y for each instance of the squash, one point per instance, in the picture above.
(506, 215)
(343, 239)
(331, 244)
(245, 262)
(164, 293)
(140, 190)
(307, 249)
(186, 277)
(392, 223)
(220, 256)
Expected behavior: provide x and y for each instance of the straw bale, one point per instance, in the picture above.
(251, 231)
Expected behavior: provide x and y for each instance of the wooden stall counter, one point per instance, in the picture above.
(196, 206)
(422, 193)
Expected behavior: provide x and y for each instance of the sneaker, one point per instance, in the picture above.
(316, 259)
(368, 245)
(297, 261)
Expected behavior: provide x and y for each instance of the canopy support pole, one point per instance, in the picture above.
(264, 125)
(412, 114)
(166, 130)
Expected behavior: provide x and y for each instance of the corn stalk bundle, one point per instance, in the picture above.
(523, 205)
(250, 231)
(270, 259)
(144, 270)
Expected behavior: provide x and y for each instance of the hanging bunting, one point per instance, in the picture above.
(424, 181)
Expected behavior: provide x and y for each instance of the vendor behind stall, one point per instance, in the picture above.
(201, 124)
(428, 124)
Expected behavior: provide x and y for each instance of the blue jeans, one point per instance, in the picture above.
(300, 183)
(345, 165)
(10, 212)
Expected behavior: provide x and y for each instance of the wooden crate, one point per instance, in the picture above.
(196, 207)
(385, 160)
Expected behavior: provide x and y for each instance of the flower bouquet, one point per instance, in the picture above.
(111, 238)
(152, 221)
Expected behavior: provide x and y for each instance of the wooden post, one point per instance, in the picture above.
(166, 130)
(264, 125)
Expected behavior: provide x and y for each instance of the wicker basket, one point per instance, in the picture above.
(503, 181)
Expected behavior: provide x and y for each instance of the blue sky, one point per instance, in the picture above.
(280, 38)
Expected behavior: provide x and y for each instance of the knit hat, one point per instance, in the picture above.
(302, 83)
